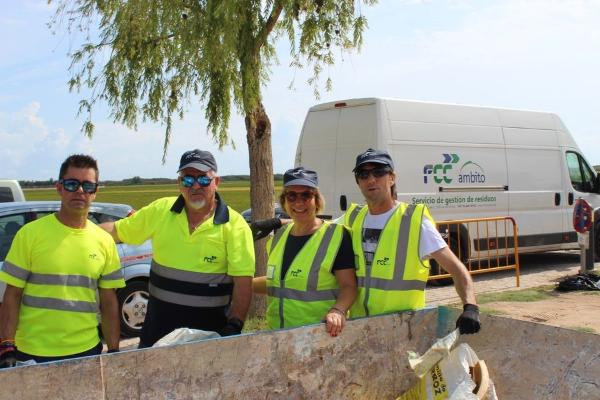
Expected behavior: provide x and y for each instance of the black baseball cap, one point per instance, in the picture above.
(199, 159)
(300, 176)
(372, 156)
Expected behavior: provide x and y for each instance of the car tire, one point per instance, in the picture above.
(133, 305)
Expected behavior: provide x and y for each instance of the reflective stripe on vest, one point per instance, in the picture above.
(310, 293)
(52, 303)
(210, 289)
(409, 225)
(301, 295)
(15, 271)
(61, 305)
(118, 274)
(51, 279)
(59, 279)
(354, 210)
(187, 299)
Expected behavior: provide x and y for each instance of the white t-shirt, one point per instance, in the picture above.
(430, 240)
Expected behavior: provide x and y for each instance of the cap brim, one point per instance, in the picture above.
(386, 163)
(300, 182)
(198, 166)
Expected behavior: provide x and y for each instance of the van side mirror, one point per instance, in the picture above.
(343, 202)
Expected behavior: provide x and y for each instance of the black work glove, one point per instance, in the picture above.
(8, 354)
(261, 229)
(468, 322)
(234, 327)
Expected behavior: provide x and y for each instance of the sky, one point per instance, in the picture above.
(535, 55)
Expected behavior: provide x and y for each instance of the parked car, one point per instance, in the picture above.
(10, 190)
(135, 260)
(279, 213)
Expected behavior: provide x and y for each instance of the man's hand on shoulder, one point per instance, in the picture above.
(261, 229)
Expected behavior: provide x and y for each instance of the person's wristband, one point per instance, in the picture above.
(7, 341)
(470, 307)
(337, 311)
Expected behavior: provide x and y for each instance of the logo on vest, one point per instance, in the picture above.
(211, 259)
(295, 272)
(93, 256)
(384, 261)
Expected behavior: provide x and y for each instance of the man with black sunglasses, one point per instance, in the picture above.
(55, 267)
(203, 264)
(393, 242)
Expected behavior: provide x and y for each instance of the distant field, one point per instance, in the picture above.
(235, 193)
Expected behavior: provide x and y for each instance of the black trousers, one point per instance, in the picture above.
(162, 318)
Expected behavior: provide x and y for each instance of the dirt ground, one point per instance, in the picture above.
(575, 310)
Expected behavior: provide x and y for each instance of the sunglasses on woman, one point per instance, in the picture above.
(375, 172)
(72, 185)
(188, 180)
(293, 196)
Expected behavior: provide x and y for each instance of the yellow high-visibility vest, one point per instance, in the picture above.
(396, 278)
(308, 289)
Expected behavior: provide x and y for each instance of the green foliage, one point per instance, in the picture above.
(524, 295)
(147, 59)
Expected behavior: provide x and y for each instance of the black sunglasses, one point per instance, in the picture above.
(293, 196)
(72, 185)
(188, 180)
(375, 172)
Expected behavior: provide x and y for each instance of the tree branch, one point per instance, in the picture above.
(269, 25)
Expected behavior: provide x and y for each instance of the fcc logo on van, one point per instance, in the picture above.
(448, 171)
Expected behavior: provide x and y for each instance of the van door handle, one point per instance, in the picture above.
(570, 198)
(343, 202)
(556, 199)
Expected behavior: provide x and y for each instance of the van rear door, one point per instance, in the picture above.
(536, 183)
(332, 136)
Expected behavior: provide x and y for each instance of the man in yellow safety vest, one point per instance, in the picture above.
(203, 255)
(393, 242)
(56, 268)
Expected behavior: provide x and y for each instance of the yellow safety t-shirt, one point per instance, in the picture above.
(191, 269)
(60, 269)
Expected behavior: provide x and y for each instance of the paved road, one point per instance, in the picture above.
(536, 270)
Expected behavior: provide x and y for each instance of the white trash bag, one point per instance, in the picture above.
(445, 373)
(185, 335)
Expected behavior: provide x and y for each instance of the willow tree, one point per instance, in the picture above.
(149, 60)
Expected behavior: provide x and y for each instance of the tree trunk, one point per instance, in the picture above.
(258, 136)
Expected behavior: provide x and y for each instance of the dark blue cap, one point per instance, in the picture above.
(372, 156)
(199, 159)
(300, 176)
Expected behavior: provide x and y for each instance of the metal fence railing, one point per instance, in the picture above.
(482, 244)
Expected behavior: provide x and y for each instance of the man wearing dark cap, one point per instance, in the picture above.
(203, 264)
(393, 242)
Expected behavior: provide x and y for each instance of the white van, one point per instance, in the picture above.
(10, 190)
(462, 161)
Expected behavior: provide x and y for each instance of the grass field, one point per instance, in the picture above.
(235, 193)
